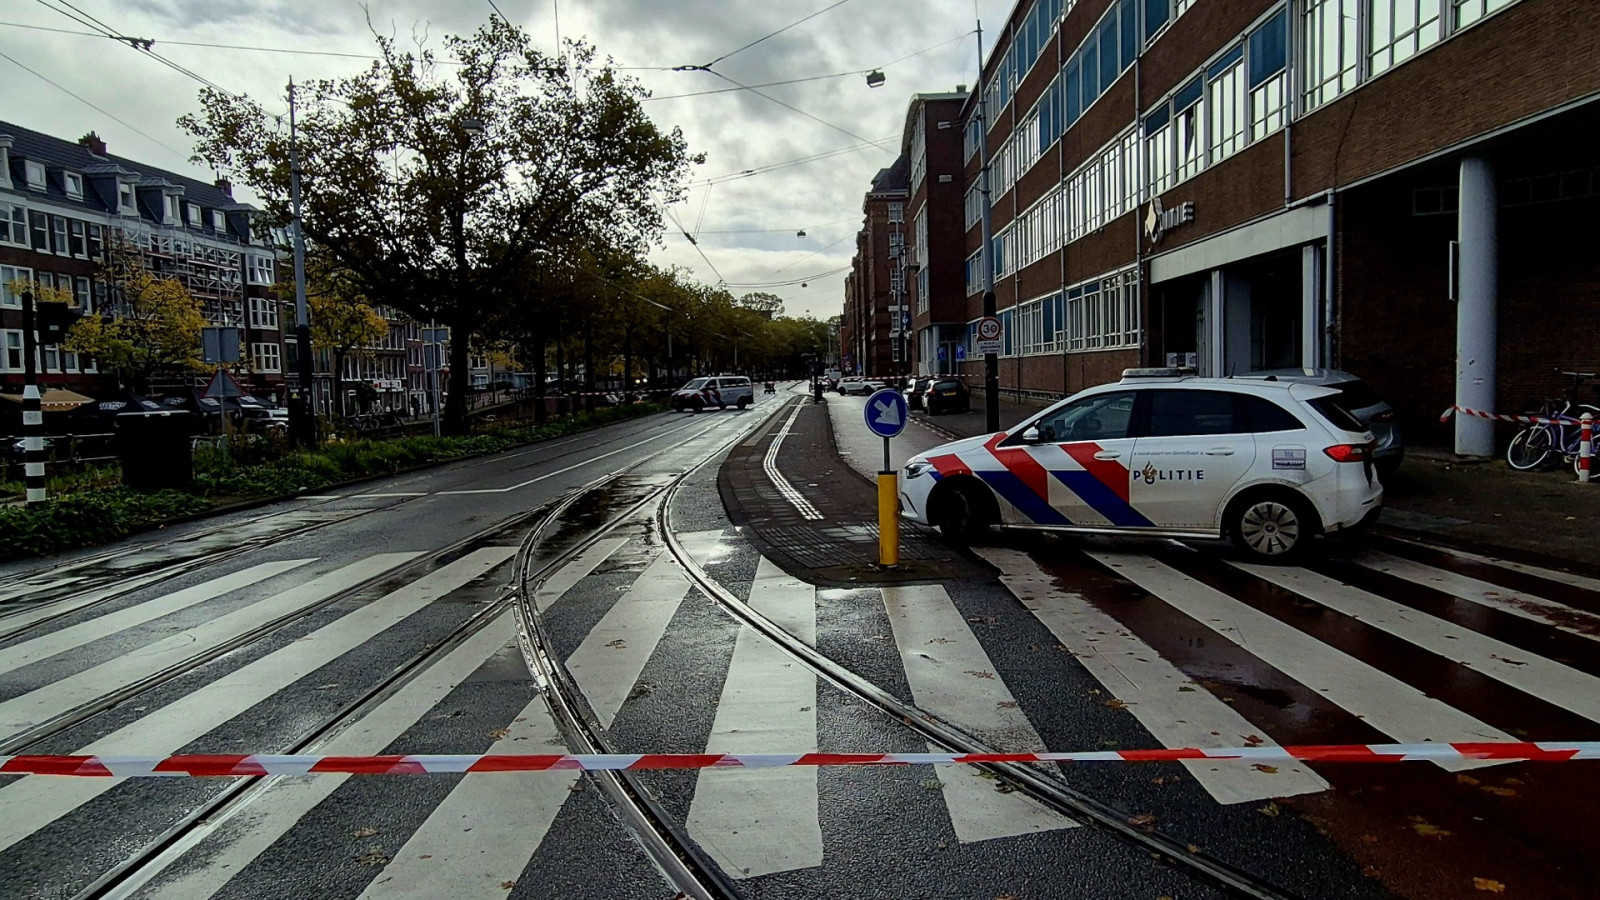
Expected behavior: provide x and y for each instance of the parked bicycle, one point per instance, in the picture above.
(1536, 443)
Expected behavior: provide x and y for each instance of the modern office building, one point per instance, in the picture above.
(1381, 186)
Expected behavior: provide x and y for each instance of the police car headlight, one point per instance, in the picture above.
(918, 469)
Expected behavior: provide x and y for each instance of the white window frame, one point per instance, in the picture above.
(33, 173)
(13, 224)
(171, 212)
(127, 199)
(8, 274)
(11, 343)
(219, 222)
(72, 182)
(262, 270)
(267, 357)
(263, 313)
(58, 236)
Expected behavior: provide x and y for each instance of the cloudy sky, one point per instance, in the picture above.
(746, 226)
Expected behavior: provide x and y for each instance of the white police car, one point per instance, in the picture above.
(1268, 464)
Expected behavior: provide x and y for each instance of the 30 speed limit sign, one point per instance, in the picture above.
(990, 337)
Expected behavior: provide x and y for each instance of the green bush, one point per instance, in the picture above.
(83, 520)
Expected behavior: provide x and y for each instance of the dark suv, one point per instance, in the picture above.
(946, 395)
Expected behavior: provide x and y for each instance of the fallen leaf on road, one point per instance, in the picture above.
(373, 858)
(1114, 703)
(507, 885)
(1498, 791)
(933, 784)
(1193, 848)
(1369, 839)
(1467, 779)
(1143, 820)
(1488, 884)
(1271, 810)
(941, 641)
(1427, 830)
(1007, 704)
(327, 687)
(1184, 688)
(619, 643)
(977, 674)
(1513, 781)
(425, 856)
(499, 733)
(1158, 781)
(365, 832)
(1263, 767)
(1252, 739)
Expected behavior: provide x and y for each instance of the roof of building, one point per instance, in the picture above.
(58, 153)
(896, 177)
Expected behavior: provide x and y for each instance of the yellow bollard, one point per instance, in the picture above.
(888, 519)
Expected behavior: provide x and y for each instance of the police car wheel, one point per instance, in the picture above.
(961, 514)
(1272, 527)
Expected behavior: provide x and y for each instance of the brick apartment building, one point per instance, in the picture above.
(1254, 184)
(932, 142)
(872, 341)
(63, 203)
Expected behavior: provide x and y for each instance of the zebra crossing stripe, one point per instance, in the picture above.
(221, 766)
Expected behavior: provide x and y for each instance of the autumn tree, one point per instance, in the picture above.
(151, 325)
(433, 182)
(342, 322)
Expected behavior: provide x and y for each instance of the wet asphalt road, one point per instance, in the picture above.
(371, 622)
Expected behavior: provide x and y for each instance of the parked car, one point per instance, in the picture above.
(1268, 464)
(1362, 401)
(915, 390)
(844, 383)
(264, 420)
(946, 395)
(721, 391)
(864, 387)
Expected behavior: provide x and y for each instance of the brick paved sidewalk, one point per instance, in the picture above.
(838, 548)
(1542, 517)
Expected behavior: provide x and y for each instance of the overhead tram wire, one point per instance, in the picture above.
(112, 116)
(797, 109)
(210, 46)
(771, 284)
(772, 167)
(696, 244)
(886, 65)
(142, 45)
(758, 40)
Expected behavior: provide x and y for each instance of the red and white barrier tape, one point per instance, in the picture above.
(199, 766)
(1503, 417)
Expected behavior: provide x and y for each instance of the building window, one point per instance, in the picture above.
(1329, 48)
(1469, 11)
(1399, 29)
(1103, 314)
(40, 225)
(74, 184)
(1225, 98)
(219, 222)
(79, 248)
(69, 361)
(1158, 149)
(263, 313)
(13, 224)
(13, 348)
(192, 215)
(172, 212)
(268, 357)
(50, 357)
(96, 241)
(8, 274)
(1188, 118)
(1268, 66)
(125, 200)
(897, 212)
(58, 226)
(81, 294)
(34, 171)
(261, 270)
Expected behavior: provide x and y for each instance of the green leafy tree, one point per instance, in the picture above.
(434, 186)
(152, 326)
(342, 322)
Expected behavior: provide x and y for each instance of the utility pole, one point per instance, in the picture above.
(306, 433)
(991, 361)
(32, 406)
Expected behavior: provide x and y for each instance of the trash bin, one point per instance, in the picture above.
(155, 449)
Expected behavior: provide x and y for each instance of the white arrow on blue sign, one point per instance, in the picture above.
(886, 413)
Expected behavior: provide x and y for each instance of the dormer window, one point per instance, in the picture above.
(173, 216)
(125, 202)
(35, 174)
(193, 217)
(73, 182)
(219, 222)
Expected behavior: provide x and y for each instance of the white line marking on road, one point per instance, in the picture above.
(704, 547)
(1567, 578)
(27, 710)
(34, 802)
(1537, 609)
(790, 603)
(486, 830)
(245, 832)
(391, 494)
(1564, 686)
(770, 465)
(19, 655)
(1377, 698)
(951, 676)
(608, 662)
(573, 572)
(577, 465)
(755, 822)
(19, 621)
(1164, 700)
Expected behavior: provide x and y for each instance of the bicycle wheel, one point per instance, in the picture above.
(1529, 448)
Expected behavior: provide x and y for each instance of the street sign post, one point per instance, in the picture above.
(886, 416)
(222, 387)
(991, 338)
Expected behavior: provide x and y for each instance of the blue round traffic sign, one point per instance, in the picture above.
(886, 413)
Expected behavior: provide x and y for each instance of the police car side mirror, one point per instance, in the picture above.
(1031, 436)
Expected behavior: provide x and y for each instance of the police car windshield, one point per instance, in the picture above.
(696, 384)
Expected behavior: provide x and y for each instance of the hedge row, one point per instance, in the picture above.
(105, 514)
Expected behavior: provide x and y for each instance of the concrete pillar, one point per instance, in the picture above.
(1311, 306)
(1477, 293)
